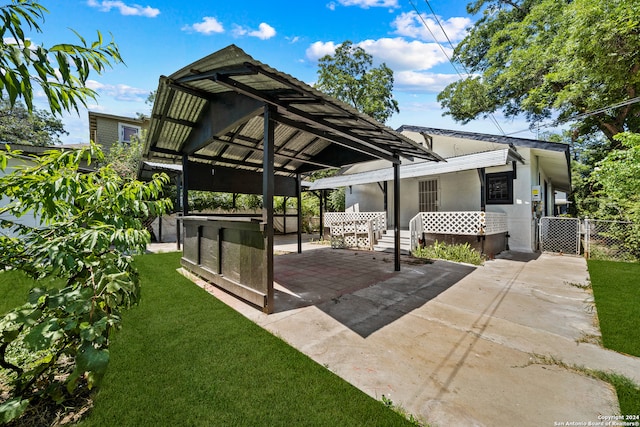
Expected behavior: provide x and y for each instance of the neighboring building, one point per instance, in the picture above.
(107, 129)
(510, 180)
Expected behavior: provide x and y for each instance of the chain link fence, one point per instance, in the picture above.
(560, 235)
(595, 238)
(611, 240)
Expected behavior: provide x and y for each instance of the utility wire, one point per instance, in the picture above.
(444, 52)
(583, 115)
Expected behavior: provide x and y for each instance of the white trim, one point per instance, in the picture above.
(454, 164)
(121, 127)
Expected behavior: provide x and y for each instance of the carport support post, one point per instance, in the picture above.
(396, 212)
(268, 192)
(299, 195)
(185, 184)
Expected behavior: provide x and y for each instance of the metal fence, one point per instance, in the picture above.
(611, 240)
(560, 235)
(596, 239)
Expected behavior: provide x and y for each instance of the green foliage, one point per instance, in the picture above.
(61, 70)
(208, 201)
(19, 126)
(125, 157)
(349, 76)
(336, 200)
(88, 227)
(616, 180)
(617, 177)
(546, 57)
(457, 253)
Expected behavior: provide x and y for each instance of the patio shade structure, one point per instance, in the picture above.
(237, 125)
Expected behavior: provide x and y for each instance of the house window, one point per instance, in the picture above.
(428, 195)
(500, 188)
(127, 132)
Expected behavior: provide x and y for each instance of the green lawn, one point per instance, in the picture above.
(184, 358)
(14, 289)
(616, 289)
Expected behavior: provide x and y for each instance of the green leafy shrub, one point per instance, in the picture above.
(457, 253)
(88, 226)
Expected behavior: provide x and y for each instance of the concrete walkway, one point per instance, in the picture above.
(453, 345)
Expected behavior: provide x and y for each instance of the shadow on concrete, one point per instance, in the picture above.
(519, 256)
(360, 288)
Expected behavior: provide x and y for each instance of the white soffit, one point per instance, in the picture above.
(454, 164)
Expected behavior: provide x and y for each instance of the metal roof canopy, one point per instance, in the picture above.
(212, 111)
(229, 111)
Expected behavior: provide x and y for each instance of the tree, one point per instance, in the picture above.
(617, 178)
(348, 75)
(61, 70)
(20, 126)
(90, 225)
(615, 181)
(125, 157)
(540, 58)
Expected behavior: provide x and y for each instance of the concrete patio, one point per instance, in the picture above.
(452, 344)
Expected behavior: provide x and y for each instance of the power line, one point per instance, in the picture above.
(583, 115)
(444, 52)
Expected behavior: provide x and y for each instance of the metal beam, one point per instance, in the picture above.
(277, 154)
(299, 196)
(222, 114)
(268, 191)
(396, 215)
(335, 139)
(199, 76)
(185, 185)
(332, 133)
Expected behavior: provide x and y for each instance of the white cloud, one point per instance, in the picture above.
(119, 92)
(365, 4)
(264, 31)
(209, 25)
(401, 55)
(409, 60)
(398, 53)
(125, 9)
(413, 81)
(410, 24)
(319, 49)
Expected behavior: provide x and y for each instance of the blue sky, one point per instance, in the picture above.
(158, 37)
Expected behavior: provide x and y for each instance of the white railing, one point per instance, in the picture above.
(469, 223)
(355, 229)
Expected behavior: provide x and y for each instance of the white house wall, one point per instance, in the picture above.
(460, 191)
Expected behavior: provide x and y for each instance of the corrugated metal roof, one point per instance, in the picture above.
(454, 164)
(212, 111)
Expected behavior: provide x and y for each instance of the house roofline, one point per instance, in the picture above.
(518, 142)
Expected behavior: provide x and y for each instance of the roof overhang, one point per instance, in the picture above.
(212, 111)
(556, 166)
(454, 164)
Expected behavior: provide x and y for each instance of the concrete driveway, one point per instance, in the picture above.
(452, 344)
